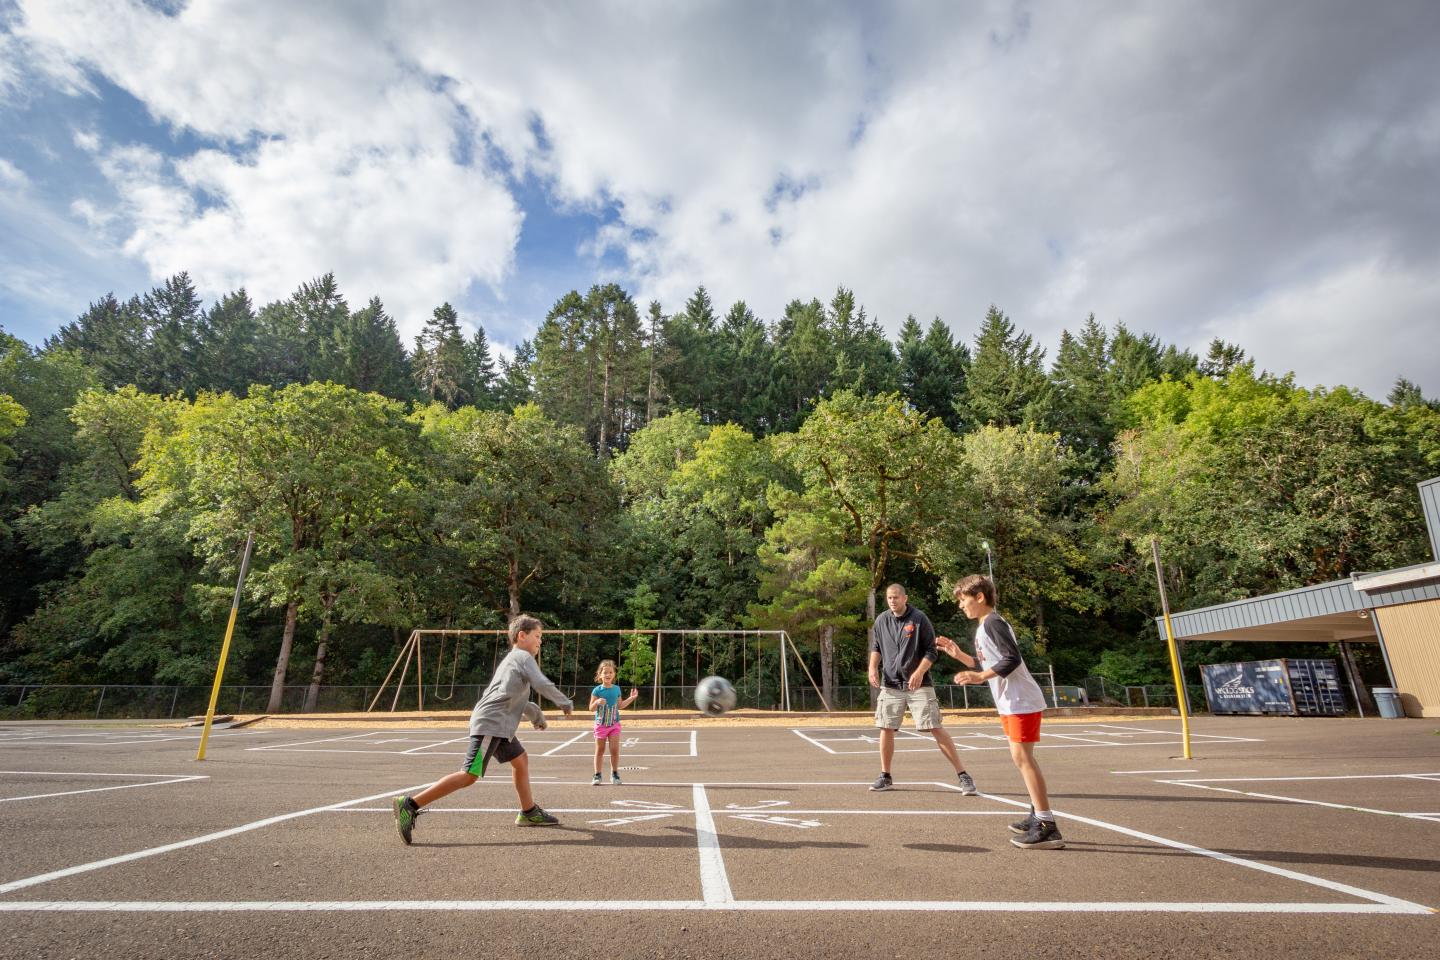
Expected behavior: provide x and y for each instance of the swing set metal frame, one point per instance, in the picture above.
(412, 651)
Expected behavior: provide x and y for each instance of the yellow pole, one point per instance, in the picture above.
(1174, 652)
(225, 646)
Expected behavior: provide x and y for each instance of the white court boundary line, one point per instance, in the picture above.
(192, 842)
(726, 812)
(1355, 776)
(748, 906)
(1345, 888)
(1078, 740)
(302, 743)
(162, 778)
(1206, 785)
(567, 743)
(715, 884)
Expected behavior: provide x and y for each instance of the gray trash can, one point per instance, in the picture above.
(1388, 703)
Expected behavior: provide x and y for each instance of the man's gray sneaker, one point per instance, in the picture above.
(1023, 826)
(967, 784)
(882, 782)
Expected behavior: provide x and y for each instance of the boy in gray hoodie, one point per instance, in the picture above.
(493, 723)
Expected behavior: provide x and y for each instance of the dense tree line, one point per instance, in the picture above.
(633, 468)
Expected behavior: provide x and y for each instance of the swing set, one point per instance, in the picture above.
(413, 652)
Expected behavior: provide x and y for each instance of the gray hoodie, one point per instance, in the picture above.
(503, 703)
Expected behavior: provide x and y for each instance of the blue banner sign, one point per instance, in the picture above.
(1260, 686)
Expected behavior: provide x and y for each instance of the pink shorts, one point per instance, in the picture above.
(604, 731)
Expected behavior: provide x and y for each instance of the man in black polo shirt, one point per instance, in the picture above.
(901, 653)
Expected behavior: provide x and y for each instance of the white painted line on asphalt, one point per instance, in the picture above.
(804, 736)
(1154, 771)
(859, 813)
(302, 743)
(194, 841)
(439, 743)
(1177, 734)
(714, 884)
(1038, 746)
(694, 749)
(1357, 776)
(1345, 888)
(123, 786)
(86, 773)
(581, 735)
(774, 906)
(1071, 736)
(1300, 800)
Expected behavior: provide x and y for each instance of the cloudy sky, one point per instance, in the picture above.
(1265, 172)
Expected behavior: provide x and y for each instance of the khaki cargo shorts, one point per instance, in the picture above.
(923, 705)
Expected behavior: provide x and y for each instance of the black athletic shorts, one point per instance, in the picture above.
(483, 749)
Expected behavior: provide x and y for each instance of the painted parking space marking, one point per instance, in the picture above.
(154, 780)
(1209, 783)
(194, 841)
(637, 747)
(1347, 889)
(717, 893)
(851, 741)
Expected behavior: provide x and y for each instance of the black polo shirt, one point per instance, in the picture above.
(903, 642)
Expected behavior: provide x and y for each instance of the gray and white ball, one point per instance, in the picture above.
(714, 696)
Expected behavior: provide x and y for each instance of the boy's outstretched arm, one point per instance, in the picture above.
(953, 649)
(535, 715)
(542, 683)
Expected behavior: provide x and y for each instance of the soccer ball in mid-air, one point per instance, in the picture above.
(714, 696)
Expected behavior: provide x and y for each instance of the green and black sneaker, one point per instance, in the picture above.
(535, 817)
(406, 813)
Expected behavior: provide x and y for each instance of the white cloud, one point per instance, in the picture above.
(1334, 319)
(1184, 167)
(331, 155)
(11, 175)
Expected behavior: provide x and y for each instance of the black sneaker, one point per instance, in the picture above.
(535, 817)
(882, 782)
(406, 813)
(1042, 835)
(595, 780)
(967, 784)
(1023, 826)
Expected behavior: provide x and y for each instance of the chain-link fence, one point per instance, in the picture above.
(154, 702)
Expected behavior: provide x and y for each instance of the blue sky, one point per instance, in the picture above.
(1267, 174)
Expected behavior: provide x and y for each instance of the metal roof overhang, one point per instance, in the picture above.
(1323, 613)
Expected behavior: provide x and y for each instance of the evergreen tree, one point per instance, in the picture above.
(440, 358)
(864, 360)
(804, 361)
(563, 371)
(171, 315)
(229, 350)
(745, 364)
(1221, 359)
(691, 373)
(932, 369)
(482, 382)
(517, 384)
(1007, 384)
(366, 354)
(1084, 398)
(1406, 394)
(109, 337)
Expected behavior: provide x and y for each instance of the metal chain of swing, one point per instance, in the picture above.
(440, 668)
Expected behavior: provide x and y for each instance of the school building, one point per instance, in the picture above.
(1397, 609)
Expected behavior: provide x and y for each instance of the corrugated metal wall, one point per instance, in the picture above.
(1412, 641)
(1430, 503)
